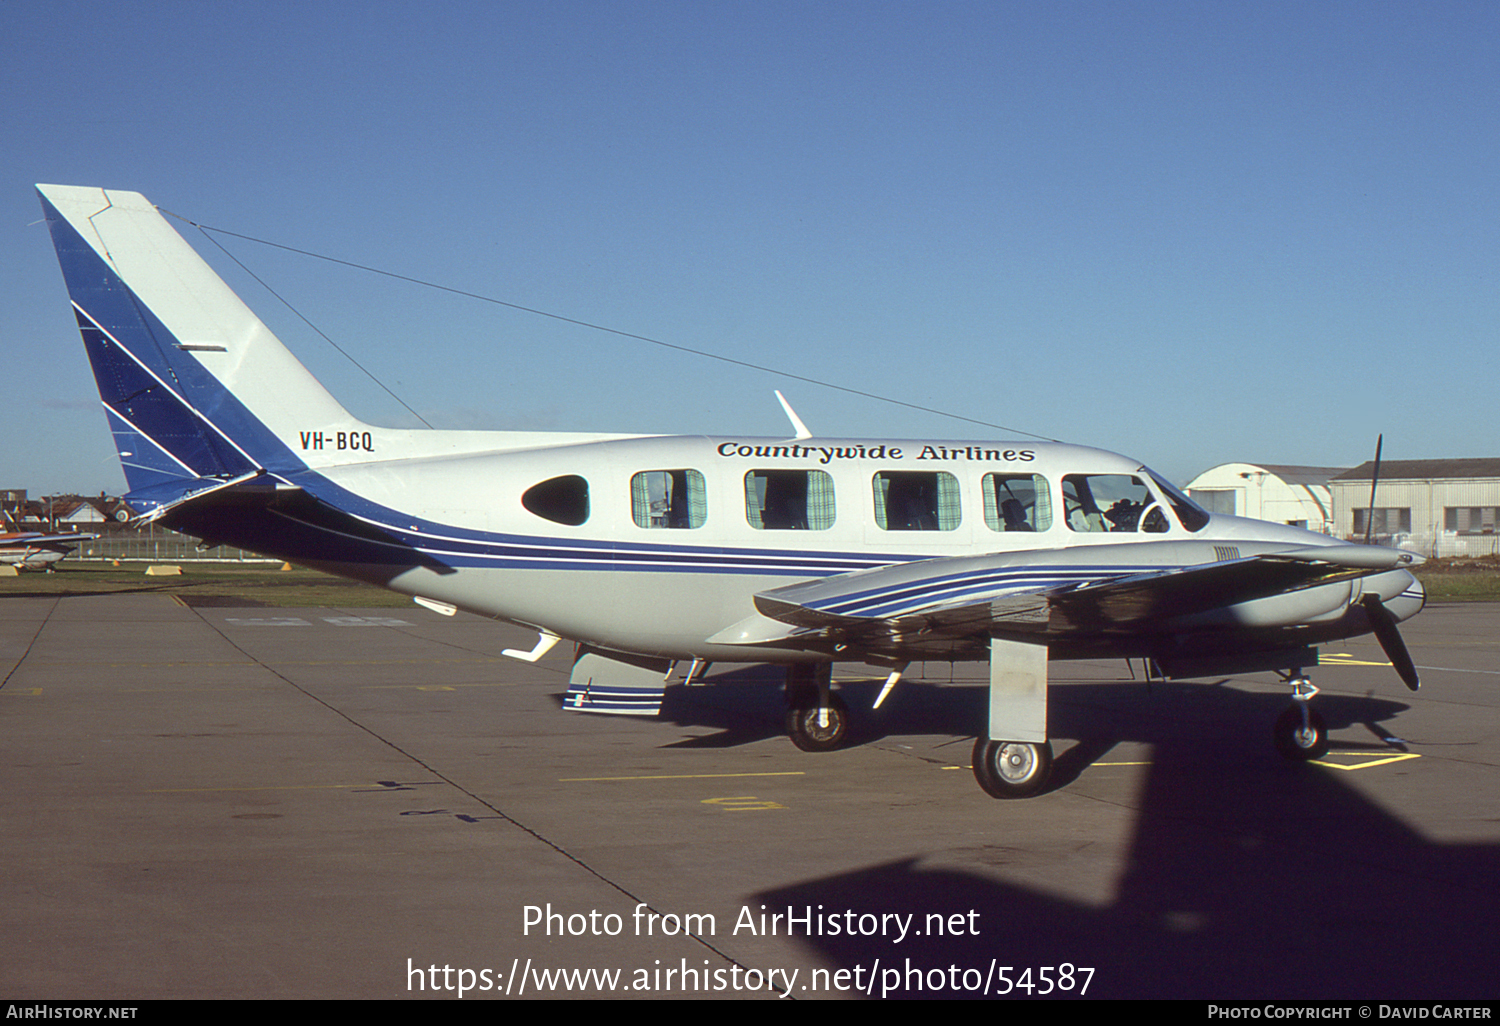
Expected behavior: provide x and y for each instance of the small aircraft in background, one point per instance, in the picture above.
(645, 550)
(32, 550)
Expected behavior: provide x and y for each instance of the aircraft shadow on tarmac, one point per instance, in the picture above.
(1247, 876)
(1279, 883)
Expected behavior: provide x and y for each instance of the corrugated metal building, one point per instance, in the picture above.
(1285, 495)
(1435, 507)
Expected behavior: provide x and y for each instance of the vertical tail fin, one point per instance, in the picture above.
(195, 386)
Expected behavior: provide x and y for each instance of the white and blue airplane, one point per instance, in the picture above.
(644, 550)
(32, 550)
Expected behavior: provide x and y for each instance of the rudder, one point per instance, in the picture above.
(195, 386)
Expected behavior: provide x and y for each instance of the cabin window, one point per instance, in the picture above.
(789, 500)
(916, 500)
(1112, 503)
(1017, 502)
(668, 498)
(562, 500)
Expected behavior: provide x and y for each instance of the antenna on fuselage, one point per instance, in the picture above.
(797, 424)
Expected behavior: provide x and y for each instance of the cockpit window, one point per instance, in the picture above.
(1191, 515)
(562, 500)
(1111, 503)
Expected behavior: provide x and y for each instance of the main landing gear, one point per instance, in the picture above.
(1012, 769)
(1300, 733)
(817, 720)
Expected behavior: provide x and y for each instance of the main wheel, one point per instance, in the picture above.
(1012, 769)
(812, 731)
(1298, 742)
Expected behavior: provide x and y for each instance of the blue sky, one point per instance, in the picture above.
(1191, 232)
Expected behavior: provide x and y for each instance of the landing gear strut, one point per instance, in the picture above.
(817, 720)
(1300, 733)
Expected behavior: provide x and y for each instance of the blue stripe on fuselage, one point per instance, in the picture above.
(467, 547)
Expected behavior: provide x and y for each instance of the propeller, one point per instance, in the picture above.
(1374, 480)
(1384, 624)
(1382, 621)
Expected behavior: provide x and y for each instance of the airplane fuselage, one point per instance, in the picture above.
(645, 549)
(657, 544)
(33, 550)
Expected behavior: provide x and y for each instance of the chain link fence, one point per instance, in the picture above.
(155, 544)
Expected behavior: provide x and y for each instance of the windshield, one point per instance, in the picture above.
(1189, 513)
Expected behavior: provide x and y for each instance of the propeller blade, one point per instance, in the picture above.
(1374, 480)
(1390, 640)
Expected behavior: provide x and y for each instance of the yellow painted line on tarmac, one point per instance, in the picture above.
(436, 687)
(682, 776)
(53, 664)
(272, 685)
(288, 663)
(1367, 760)
(744, 803)
(1345, 659)
(282, 787)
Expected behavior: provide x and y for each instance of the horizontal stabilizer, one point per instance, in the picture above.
(156, 501)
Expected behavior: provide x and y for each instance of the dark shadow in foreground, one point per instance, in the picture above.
(1267, 881)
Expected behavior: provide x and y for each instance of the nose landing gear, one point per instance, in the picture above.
(1300, 733)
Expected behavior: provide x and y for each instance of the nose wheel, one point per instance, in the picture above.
(1300, 733)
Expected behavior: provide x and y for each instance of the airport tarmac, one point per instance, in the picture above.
(321, 803)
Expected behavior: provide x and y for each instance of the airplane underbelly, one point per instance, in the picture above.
(667, 614)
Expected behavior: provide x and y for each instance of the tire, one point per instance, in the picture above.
(1297, 743)
(803, 726)
(1012, 769)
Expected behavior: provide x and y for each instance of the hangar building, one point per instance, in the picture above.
(1285, 495)
(1435, 507)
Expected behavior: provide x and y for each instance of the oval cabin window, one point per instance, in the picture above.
(562, 500)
